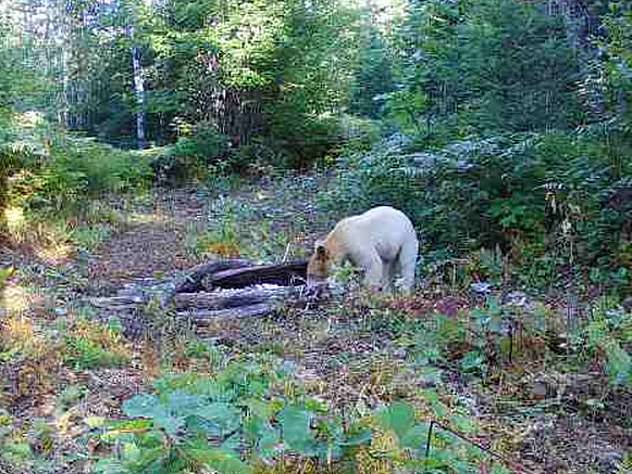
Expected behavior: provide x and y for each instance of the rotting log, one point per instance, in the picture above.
(219, 300)
(116, 302)
(207, 316)
(283, 274)
(241, 298)
(192, 282)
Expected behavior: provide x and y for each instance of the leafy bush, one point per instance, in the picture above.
(196, 422)
(304, 138)
(51, 170)
(191, 155)
(252, 412)
(532, 196)
(492, 65)
(82, 168)
(606, 337)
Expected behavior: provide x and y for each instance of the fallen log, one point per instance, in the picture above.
(192, 281)
(234, 289)
(207, 316)
(115, 302)
(223, 300)
(284, 274)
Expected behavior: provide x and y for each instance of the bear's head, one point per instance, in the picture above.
(319, 265)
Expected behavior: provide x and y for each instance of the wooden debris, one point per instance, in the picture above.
(117, 302)
(284, 274)
(205, 316)
(193, 280)
(221, 300)
(234, 289)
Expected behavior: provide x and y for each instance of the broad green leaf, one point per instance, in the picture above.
(142, 406)
(223, 415)
(364, 436)
(130, 451)
(416, 437)
(171, 424)
(149, 406)
(218, 460)
(398, 417)
(296, 430)
(619, 364)
(110, 466)
(269, 442)
(233, 442)
(473, 361)
(182, 403)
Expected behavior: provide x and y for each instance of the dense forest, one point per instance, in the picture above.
(167, 165)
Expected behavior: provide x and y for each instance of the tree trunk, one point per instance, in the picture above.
(139, 92)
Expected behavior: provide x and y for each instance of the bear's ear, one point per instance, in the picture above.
(320, 249)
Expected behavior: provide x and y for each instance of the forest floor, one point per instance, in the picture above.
(536, 409)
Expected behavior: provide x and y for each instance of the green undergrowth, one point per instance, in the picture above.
(253, 411)
(529, 207)
(54, 183)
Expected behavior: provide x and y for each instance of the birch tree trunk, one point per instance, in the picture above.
(139, 92)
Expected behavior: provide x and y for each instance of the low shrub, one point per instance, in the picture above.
(89, 346)
(191, 156)
(46, 172)
(51, 170)
(303, 138)
(252, 413)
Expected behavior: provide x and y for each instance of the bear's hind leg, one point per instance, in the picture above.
(407, 261)
(391, 270)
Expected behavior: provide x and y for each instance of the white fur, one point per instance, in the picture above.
(382, 242)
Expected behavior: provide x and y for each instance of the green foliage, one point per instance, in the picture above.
(196, 422)
(89, 237)
(192, 156)
(253, 411)
(276, 73)
(80, 169)
(88, 346)
(618, 43)
(606, 336)
(54, 171)
(18, 79)
(374, 76)
(400, 418)
(495, 65)
(534, 197)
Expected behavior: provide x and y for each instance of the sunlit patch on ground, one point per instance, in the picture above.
(54, 253)
(148, 218)
(14, 299)
(15, 220)
(17, 332)
(30, 119)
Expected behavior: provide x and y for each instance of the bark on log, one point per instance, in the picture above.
(215, 301)
(284, 274)
(193, 280)
(207, 316)
(116, 302)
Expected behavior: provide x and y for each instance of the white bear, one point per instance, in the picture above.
(382, 242)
